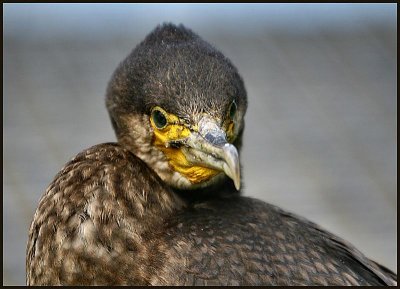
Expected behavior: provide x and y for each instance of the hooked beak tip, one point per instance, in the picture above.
(237, 184)
(232, 167)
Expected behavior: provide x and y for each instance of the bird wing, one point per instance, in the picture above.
(242, 241)
(371, 270)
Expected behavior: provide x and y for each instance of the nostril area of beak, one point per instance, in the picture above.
(216, 139)
(211, 132)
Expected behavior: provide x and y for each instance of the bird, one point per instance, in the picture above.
(163, 204)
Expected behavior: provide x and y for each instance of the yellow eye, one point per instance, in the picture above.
(159, 118)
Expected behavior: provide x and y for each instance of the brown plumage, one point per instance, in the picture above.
(119, 213)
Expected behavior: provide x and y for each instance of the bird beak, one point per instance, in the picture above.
(208, 147)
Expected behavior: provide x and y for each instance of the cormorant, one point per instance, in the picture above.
(162, 206)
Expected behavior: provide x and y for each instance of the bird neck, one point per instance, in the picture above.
(222, 189)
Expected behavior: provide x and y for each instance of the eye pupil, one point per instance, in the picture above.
(232, 110)
(159, 118)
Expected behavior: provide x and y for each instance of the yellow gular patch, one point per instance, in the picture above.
(174, 130)
(194, 173)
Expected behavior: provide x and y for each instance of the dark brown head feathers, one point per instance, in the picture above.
(177, 70)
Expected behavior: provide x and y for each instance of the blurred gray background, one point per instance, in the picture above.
(321, 131)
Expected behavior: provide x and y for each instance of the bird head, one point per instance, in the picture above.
(179, 104)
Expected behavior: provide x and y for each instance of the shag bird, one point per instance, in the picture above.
(162, 206)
